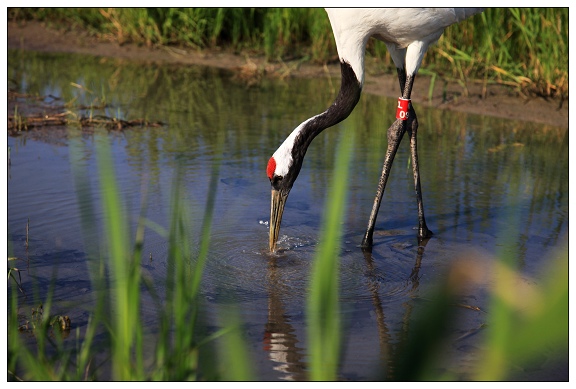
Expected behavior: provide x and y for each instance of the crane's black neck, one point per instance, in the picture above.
(348, 96)
(342, 106)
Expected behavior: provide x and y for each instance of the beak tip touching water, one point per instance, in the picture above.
(272, 245)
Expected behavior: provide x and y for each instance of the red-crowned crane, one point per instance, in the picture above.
(407, 33)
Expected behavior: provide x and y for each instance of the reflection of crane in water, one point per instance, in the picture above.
(280, 336)
(280, 339)
(389, 350)
(407, 34)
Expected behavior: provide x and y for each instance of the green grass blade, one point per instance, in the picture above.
(322, 305)
(235, 360)
(126, 298)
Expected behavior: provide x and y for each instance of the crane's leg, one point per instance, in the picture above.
(395, 134)
(412, 127)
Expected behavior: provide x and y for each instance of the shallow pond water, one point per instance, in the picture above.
(482, 179)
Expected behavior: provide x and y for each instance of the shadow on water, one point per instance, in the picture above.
(472, 168)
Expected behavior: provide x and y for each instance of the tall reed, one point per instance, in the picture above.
(322, 304)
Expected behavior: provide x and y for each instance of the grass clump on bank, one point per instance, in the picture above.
(526, 48)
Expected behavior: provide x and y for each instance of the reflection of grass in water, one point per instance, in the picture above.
(196, 101)
(184, 351)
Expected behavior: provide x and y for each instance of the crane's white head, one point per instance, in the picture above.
(282, 170)
(282, 159)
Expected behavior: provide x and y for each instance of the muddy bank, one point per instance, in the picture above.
(499, 101)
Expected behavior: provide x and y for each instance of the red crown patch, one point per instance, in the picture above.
(271, 168)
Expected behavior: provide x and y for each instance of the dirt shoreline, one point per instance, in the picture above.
(500, 101)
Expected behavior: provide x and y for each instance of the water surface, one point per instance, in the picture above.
(482, 179)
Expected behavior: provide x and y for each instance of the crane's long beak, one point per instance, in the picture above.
(276, 209)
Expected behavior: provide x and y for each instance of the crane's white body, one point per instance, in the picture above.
(407, 32)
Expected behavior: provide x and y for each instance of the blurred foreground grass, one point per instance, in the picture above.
(523, 324)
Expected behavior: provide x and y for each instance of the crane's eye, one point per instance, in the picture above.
(276, 180)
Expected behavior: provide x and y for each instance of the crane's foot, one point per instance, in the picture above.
(367, 243)
(424, 234)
